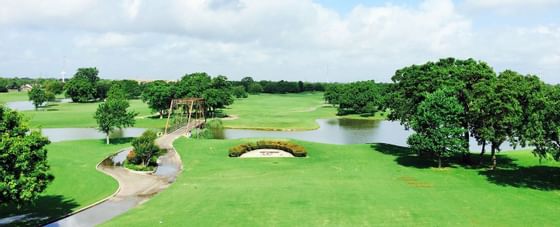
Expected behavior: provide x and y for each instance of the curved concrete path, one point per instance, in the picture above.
(134, 188)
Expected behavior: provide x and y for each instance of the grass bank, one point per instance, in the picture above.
(12, 96)
(80, 115)
(282, 112)
(348, 185)
(77, 183)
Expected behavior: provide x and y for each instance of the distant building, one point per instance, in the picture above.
(26, 87)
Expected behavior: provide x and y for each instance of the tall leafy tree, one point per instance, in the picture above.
(498, 111)
(544, 124)
(37, 96)
(413, 82)
(54, 86)
(437, 126)
(247, 82)
(113, 113)
(24, 171)
(83, 86)
(158, 95)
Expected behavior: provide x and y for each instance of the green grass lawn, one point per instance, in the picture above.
(80, 115)
(13, 96)
(77, 183)
(281, 112)
(348, 185)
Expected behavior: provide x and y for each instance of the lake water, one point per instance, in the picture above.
(67, 134)
(341, 131)
(28, 105)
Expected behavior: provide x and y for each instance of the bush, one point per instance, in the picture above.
(208, 132)
(145, 152)
(294, 149)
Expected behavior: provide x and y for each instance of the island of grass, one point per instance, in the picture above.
(289, 112)
(348, 185)
(77, 182)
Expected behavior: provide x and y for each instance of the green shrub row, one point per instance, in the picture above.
(294, 149)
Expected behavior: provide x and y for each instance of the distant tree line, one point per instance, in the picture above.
(362, 97)
(277, 87)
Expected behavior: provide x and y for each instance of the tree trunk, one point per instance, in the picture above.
(439, 161)
(467, 153)
(493, 156)
(161, 114)
(107, 138)
(481, 162)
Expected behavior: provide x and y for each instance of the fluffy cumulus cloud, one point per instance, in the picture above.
(289, 39)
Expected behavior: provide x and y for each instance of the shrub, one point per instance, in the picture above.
(145, 150)
(294, 149)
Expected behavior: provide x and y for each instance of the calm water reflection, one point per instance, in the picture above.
(28, 105)
(340, 131)
(67, 134)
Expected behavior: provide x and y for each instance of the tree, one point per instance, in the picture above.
(83, 86)
(131, 88)
(544, 123)
(413, 82)
(24, 171)
(216, 91)
(247, 82)
(239, 92)
(145, 147)
(3, 85)
(113, 112)
(362, 97)
(437, 126)
(158, 95)
(255, 88)
(102, 88)
(54, 86)
(38, 96)
(497, 107)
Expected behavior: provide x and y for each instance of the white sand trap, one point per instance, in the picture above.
(267, 153)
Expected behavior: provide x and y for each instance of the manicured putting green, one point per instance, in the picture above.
(348, 185)
(77, 182)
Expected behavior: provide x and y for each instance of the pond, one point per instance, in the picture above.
(28, 105)
(67, 134)
(341, 131)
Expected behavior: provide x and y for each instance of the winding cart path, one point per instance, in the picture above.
(134, 188)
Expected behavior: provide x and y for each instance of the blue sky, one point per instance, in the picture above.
(313, 40)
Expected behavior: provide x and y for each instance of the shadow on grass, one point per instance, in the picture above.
(405, 157)
(46, 209)
(509, 173)
(543, 178)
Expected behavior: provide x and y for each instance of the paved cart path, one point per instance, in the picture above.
(134, 188)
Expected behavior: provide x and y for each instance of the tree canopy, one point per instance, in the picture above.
(113, 112)
(24, 170)
(437, 126)
(83, 86)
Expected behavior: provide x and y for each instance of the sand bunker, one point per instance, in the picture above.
(267, 153)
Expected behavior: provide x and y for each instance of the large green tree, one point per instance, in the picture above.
(437, 126)
(24, 171)
(37, 96)
(158, 95)
(113, 113)
(544, 123)
(216, 91)
(412, 83)
(83, 86)
(497, 112)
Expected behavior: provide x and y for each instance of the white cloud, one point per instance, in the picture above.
(289, 39)
(509, 6)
